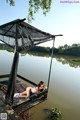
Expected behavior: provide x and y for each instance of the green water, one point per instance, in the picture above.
(64, 89)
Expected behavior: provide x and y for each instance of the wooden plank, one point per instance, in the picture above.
(4, 76)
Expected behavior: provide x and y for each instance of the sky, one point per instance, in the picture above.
(63, 18)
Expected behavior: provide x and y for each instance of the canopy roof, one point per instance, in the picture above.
(22, 34)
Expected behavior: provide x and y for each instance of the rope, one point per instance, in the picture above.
(50, 64)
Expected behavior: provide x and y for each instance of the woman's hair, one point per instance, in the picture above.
(40, 83)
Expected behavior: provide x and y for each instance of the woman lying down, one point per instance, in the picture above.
(31, 90)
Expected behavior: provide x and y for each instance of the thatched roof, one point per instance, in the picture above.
(24, 34)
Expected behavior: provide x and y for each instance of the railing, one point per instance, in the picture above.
(4, 76)
(19, 76)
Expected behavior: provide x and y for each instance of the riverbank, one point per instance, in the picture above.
(73, 50)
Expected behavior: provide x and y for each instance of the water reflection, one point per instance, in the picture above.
(71, 61)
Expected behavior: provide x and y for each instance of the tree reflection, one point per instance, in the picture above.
(71, 61)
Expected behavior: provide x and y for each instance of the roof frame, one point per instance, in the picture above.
(32, 35)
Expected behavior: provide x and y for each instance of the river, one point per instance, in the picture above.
(64, 89)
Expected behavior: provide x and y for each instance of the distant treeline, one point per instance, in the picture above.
(73, 50)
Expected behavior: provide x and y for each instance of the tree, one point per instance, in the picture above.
(74, 45)
(35, 6)
(11, 2)
(66, 46)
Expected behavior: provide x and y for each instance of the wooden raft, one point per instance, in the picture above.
(20, 87)
(21, 106)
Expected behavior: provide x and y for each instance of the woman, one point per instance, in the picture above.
(31, 90)
(42, 86)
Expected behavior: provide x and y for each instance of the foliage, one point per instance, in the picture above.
(40, 49)
(73, 50)
(35, 6)
(53, 114)
(72, 61)
(11, 2)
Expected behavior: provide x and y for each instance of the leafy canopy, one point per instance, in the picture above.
(35, 6)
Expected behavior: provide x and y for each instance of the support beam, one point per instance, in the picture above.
(12, 79)
(13, 74)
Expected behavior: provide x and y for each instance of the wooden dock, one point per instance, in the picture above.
(19, 110)
(6, 112)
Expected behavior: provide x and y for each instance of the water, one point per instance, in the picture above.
(64, 89)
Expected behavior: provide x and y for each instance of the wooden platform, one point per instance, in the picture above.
(20, 107)
(6, 112)
(20, 87)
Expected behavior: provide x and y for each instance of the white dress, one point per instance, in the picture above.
(33, 90)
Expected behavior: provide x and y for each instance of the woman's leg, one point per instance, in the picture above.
(26, 93)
